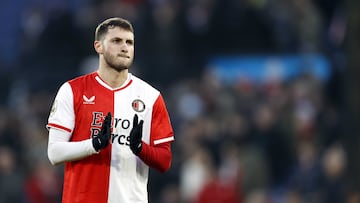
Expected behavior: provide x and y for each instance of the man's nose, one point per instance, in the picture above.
(124, 47)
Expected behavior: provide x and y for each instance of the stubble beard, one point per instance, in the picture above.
(117, 66)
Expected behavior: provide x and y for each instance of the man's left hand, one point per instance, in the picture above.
(136, 135)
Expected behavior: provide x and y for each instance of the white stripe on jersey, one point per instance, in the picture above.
(168, 139)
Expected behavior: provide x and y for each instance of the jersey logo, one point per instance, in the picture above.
(138, 105)
(53, 108)
(90, 100)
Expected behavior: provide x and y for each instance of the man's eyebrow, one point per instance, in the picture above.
(122, 38)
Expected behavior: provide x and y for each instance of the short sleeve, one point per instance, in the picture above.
(161, 129)
(62, 114)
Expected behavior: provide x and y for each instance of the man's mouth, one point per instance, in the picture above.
(124, 56)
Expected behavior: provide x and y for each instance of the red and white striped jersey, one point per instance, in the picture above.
(115, 174)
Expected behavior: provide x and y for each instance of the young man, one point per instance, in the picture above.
(107, 158)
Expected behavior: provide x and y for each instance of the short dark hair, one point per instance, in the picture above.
(103, 27)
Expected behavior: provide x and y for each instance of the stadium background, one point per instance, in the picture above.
(274, 139)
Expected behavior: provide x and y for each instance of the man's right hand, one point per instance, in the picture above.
(101, 140)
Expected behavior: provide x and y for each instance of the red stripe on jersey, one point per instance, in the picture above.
(53, 125)
(87, 180)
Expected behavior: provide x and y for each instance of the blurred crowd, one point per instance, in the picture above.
(244, 142)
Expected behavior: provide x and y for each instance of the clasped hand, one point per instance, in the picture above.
(136, 135)
(101, 140)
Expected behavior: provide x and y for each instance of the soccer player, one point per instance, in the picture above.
(109, 127)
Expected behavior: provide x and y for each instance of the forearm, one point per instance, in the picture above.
(61, 150)
(158, 157)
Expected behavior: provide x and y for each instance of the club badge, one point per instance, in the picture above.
(138, 105)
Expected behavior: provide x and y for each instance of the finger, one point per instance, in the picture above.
(108, 118)
(141, 124)
(109, 115)
(109, 122)
(135, 121)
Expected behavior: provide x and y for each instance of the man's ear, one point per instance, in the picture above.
(98, 47)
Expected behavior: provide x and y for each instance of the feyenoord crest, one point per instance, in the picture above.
(138, 105)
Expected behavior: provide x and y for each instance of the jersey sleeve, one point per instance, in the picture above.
(62, 115)
(161, 129)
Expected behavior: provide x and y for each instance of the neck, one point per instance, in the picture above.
(112, 77)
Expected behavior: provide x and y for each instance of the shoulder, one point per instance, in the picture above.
(144, 90)
(74, 85)
(139, 83)
(82, 82)
(82, 78)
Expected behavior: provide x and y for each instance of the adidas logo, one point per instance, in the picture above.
(90, 100)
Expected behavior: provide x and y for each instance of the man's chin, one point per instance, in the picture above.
(120, 69)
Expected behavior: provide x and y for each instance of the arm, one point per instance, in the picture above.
(61, 150)
(158, 156)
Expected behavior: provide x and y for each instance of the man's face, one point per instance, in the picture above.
(118, 48)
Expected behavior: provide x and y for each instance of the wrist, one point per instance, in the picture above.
(95, 144)
(138, 148)
(91, 148)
